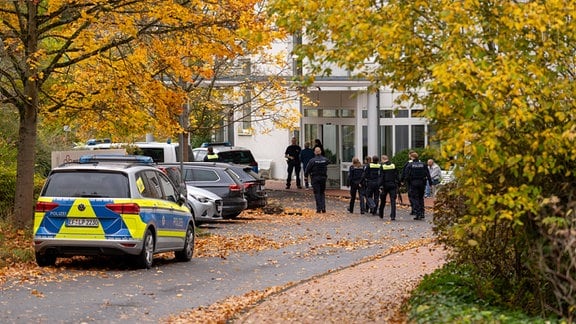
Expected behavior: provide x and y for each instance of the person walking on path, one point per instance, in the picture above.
(403, 176)
(435, 175)
(211, 156)
(362, 189)
(292, 155)
(305, 155)
(416, 176)
(388, 182)
(354, 179)
(317, 169)
(371, 177)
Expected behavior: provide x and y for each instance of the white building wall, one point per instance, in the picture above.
(333, 92)
(269, 146)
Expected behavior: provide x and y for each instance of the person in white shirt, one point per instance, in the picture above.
(435, 174)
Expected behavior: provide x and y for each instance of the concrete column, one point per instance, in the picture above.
(373, 124)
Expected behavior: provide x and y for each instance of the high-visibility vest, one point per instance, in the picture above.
(212, 157)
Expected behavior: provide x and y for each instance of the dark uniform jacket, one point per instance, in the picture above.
(293, 152)
(371, 173)
(355, 175)
(389, 174)
(317, 167)
(417, 172)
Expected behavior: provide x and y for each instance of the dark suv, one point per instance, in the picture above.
(254, 186)
(227, 154)
(220, 180)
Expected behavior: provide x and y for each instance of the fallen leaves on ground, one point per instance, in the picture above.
(214, 246)
(238, 307)
(206, 246)
(223, 310)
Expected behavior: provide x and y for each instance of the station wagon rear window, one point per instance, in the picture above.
(87, 184)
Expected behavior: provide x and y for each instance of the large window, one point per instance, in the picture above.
(348, 148)
(401, 134)
(418, 136)
(386, 140)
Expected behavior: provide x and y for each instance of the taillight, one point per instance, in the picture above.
(248, 185)
(130, 208)
(45, 206)
(235, 187)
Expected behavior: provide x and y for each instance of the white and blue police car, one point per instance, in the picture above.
(111, 205)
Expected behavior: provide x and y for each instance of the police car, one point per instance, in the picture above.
(111, 205)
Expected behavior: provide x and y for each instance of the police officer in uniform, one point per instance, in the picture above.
(403, 177)
(292, 155)
(211, 156)
(388, 179)
(417, 174)
(371, 179)
(317, 169)
(354, 179)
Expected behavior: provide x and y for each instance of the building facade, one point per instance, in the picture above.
(348, 120)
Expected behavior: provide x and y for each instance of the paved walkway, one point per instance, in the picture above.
(370, 292)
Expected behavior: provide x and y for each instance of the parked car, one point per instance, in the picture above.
(205, 205)
(220, 180)
(254, 185)
(109, 205)
(227, 154)
(158, 151)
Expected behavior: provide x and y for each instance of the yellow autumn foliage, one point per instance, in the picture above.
(497, 81)
(129, 67)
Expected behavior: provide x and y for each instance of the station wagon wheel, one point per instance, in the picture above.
(146, 257)
(185, 254)
(45, 260)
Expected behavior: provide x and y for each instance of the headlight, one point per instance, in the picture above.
(201, 199)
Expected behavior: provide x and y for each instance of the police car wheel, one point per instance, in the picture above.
(185, 254)
(145, 258)
(45, 260)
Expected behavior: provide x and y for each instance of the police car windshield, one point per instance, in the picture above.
(87, 184)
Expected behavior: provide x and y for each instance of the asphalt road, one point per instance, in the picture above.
(109, 291)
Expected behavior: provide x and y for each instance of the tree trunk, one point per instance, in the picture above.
(24, 198)
(28, 110)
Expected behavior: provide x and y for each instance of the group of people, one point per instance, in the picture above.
(315, 166)
(378, 178)
(297, 160)
(372, 182)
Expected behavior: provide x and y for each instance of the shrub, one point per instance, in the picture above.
(554, 251)
(7, 190)
(448, 295)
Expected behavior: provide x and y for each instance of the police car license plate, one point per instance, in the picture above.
(82, 222)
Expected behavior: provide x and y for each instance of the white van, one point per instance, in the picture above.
(159, 151)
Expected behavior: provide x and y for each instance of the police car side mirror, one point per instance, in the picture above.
(181, 200)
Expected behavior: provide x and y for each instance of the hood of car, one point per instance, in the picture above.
(203, 192)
